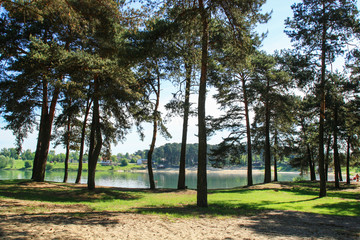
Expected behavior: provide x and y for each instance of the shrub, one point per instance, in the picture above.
(3, 161)
(49, 167)
(123, 163)
(298, 179)
(28, 164)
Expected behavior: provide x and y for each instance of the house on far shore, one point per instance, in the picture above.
(105, 163)
(141, 161)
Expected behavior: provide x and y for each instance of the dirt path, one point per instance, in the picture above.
(75, 223)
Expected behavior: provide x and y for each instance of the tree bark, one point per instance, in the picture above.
(327, 161)
(67, 150)
(267, 177)
(311, 163)
(336, 151)
(82, 143)
(322, 192)
(181, 180)
(95, 138)
(43, 145)
(202, 151)
(155, 126)
(348, 161)
(275, 158)
(248, 134)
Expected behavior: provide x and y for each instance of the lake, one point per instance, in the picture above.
(163, 179)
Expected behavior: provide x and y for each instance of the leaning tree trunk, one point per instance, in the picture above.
(153, 141)
(202, 151)
(248, 134)
(95, 138)
(82, 142)
(43, 145)
(181, 181)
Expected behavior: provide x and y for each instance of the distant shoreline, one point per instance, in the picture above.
(209, 170)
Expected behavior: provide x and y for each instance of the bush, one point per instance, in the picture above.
(123, 163)
(28, 164)
(298, 179)
(49, 167)
(3, 161)
(11, 162)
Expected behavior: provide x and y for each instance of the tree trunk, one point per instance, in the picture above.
(67, 150)
(327, 159)
(44, 138)
(181, 181)
(267, 177)
(155, 126)
(248, 133)
(275, 158)
(336, 151)
(311, 163)
(348, 161)
(202, 151)
(95, 138)
(322, 192)
(82, 143)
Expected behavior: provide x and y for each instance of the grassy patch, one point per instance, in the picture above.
(300, 196)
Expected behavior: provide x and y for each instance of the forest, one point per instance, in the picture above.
(82, 73)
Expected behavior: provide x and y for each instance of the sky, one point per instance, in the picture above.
(276, 39)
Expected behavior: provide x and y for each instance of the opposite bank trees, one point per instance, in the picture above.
(321, 29)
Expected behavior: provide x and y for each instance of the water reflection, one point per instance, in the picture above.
(163, 179)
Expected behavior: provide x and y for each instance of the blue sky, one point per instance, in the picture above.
(276, 39)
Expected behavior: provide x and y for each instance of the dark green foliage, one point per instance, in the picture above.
(320, 31)
(124, 163)
(28, 164)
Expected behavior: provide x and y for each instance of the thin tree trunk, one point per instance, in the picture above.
(327, 159)
(336, 151)
(248, 133)
(82, 143)
(275, 158)
(348, 161)
(95, 138)
(311, 164)
(181, 181)
(322, 192)
(155, 126)
(267, 177)
(67, 150)
(202, 151)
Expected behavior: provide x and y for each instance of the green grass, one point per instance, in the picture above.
(19, 165)
(301, 197)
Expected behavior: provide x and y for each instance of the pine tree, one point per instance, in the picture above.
(321, 29)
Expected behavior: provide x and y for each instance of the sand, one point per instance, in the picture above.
(78, 222)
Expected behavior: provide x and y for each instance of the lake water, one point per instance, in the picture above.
(164, 179)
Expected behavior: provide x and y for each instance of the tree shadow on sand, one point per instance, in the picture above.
(57, 192)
